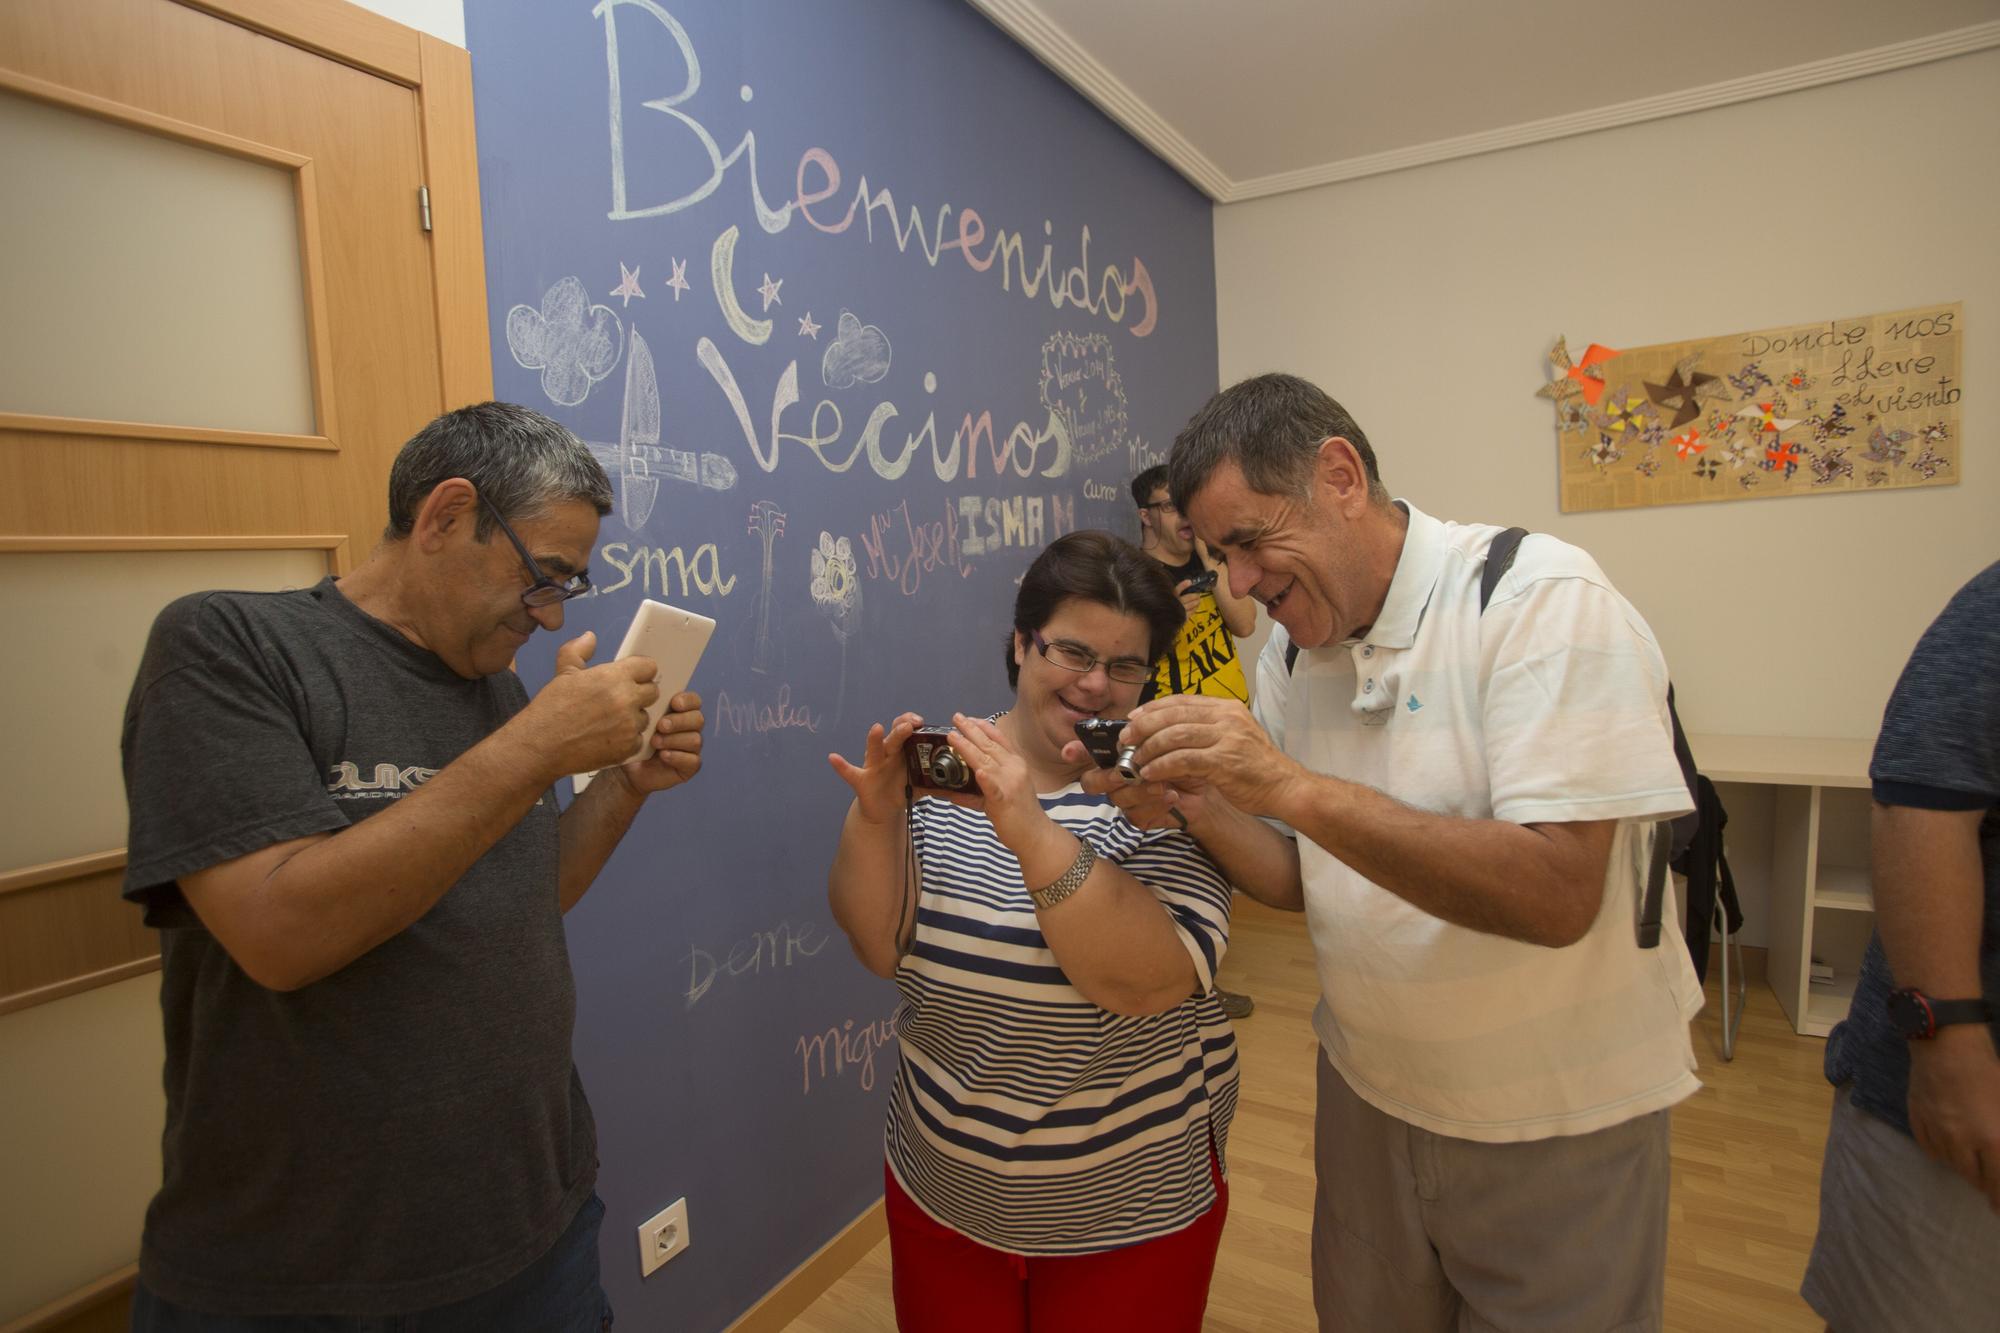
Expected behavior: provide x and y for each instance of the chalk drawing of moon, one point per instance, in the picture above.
(721, 260)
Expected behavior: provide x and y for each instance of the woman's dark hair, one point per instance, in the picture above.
(1097, 567)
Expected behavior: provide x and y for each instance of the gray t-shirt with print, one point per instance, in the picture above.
(410, 1130)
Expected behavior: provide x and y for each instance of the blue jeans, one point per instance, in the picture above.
(558, 1293)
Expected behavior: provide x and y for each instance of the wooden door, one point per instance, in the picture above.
(225, 311)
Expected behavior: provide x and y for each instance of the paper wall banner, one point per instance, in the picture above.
(1749, 416)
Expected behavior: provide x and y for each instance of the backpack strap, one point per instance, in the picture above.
(1499, 559)
(1668, 843)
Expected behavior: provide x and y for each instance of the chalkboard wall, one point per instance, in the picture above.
(860, 306)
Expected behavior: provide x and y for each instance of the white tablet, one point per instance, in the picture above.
(674, 639)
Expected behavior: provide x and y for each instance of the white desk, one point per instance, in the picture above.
(1820, 900)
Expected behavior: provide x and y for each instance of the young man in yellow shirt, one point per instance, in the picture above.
(1204, 659)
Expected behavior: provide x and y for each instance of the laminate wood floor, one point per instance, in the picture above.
(1746, 1154)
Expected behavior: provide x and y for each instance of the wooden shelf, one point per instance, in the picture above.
(1810, 820)
(1788, 761)
(1843, 888)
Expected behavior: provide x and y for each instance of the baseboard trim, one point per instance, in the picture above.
(806, 1283)
(92, 1296)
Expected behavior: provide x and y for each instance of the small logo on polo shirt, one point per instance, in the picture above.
(1415, 703)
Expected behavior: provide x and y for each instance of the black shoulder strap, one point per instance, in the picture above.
(1499, 559)
(1669, 845)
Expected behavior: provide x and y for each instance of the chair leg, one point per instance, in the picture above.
(1732, 996)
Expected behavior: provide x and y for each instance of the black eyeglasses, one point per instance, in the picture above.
(1167, 505)
(544, 591)
(1075, 657)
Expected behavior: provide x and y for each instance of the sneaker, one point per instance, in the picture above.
(1234, 1004)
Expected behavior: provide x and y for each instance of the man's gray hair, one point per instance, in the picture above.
(523, 463)
(1271, 426)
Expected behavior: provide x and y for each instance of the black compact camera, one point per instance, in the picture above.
(1103, 737)
(1202, 582)
(934, 764)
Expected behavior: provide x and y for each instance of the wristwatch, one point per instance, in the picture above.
(1072, 879)
(1918, 1017)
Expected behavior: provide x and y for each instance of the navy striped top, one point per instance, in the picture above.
(1024, 1116)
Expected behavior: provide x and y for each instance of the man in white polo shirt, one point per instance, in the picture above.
(1462, 802)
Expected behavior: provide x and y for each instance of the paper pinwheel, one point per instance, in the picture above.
(1581, 377)
(1749, 379)
(1833, 426)
(1928, 464)
(1768, 420)
(1781, 457)
(1830, 465)
(1886, 446)
(1685, 391)
(1625, 412)
(1689, 444)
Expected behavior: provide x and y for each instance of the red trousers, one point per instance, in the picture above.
(946, 1282)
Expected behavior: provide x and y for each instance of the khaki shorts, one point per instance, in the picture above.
(1415, 1231)
(1904, 1242)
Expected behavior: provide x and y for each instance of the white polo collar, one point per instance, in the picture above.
(1416, 577)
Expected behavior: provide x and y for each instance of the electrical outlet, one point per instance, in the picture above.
(662, 1236)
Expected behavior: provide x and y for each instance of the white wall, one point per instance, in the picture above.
(1425, 301)
(443, 19)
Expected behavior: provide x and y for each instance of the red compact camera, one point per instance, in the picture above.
(934, 764)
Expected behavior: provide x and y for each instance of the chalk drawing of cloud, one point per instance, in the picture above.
(572, 342)
(858, 354)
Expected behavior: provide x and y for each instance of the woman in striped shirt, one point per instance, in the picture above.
(1066, 1079)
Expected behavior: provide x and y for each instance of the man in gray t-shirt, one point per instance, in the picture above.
(343, 825)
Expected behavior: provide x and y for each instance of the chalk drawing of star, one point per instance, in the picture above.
(769, 291)
(679, 282)
(628, 284)
(808, 329)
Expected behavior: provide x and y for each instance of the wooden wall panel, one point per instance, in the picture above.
(65, 934)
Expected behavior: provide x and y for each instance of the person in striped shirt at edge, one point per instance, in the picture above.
(1061, 1105)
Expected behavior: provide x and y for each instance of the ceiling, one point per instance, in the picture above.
(1254, 97)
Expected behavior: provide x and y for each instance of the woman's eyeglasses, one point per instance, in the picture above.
(1075, 657)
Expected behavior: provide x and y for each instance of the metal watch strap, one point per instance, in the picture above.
(1071, 879)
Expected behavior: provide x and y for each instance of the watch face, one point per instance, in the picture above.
(1910, 1014)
